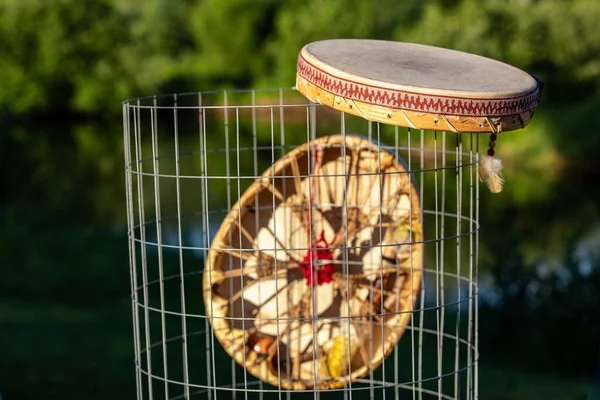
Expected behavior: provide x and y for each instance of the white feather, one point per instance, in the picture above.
(490, 171)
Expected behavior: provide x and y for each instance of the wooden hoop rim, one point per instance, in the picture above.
(429, 109)
(395, 326)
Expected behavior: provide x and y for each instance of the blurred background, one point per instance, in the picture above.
(66, 66)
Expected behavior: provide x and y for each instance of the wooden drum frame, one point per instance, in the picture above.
(417, 86)
(318, 250)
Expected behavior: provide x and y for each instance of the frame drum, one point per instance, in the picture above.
(312, 277)
(417, 86)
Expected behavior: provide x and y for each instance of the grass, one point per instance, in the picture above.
(56, 351)
(500, 382)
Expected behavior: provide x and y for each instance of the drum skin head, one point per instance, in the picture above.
(417, 86)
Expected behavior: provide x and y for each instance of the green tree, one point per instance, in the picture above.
(301, 22)
(86, 56)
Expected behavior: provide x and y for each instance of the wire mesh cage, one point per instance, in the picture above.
(280, 248)
(299, 242)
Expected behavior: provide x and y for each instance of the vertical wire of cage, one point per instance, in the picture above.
(282, 249)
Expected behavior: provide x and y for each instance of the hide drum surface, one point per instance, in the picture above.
(417, 86)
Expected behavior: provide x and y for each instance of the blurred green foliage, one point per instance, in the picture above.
(90, 55)
(66, 65)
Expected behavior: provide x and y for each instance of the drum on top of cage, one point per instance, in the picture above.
(421, 87)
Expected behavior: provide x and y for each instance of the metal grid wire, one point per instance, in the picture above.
(190, 157)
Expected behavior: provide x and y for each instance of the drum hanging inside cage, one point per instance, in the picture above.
(282, 246)
(330, 265)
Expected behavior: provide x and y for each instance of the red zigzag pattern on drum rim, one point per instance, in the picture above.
(404, 100)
